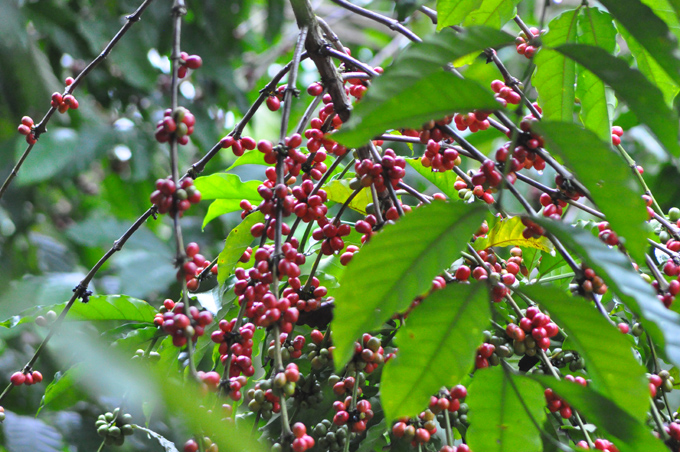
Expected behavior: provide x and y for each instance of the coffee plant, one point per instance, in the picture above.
(397, 226)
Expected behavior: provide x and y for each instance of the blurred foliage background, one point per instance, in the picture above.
(90, 176)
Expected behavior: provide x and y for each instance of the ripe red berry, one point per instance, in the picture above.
(17, 378)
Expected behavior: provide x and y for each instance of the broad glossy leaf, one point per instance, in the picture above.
(499, 421)
(617, 272)
(651, 69)
(339, 191)
(453, 12)
(437, 348)
(228, 190)
(237, 242)
(595, 27)
(99, 308)
(612, 368)
(650, 31)
(253, 157)
(643, 98)
(607, 177)
(493, 13)
(508, 232)
(63, 392)
(555, 73)
(418, 74)
(606, 415)
(442, 180)
(396, 266)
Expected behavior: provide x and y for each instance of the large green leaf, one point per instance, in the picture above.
(339, 191)
(555, 73)
(63, 392)
(650, 31)
(508, 232)
(453, 12)
(666, 10)
(595, 27)
(436, 348)
(396, 266)
(612, 368)
(504, 412)
(443, 180)
(418, 74)
(237, 242)
(616, 270)
(651, 69)
(99, 308)
(493, 13)
(643, 98)
(605, 414)
(228, 190)
(608, 179)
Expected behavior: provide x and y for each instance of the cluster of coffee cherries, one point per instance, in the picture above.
(26, 378)
(289, 349)
(673, 430)
(46, 320)
(26, 129)
(606, 234)
(368, 354)
(531, 230)
(208, 445)
(552, 208)
(476, 120)
(416, 430)
(346, 257)
(166, 192)
(309, 207)
(556, 403)
(468, 194)
(667, 297)
(330, 437)
(365, 227)
(193, 267)
(357, 418)
(237, 345)
(175, 321)
(342, 386)
(302, 441)
(590, 283)
(114, 427)
(431, 130)
(187, 62)
(263, 400)
(331, 236)
(391, 168)
(440, 159)
(448, 400)
(63, 103)
(179, 123)
(273, 101)
(320, 354)
(284, 382)
(617, 133)
(600, 444)
(534, 330)
(663, 381)
(309, 391)
(527, 46)
(504, 94)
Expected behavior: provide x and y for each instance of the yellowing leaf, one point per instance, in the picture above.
(508, 232)
(338, 191)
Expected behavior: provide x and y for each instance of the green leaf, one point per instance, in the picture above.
(418, 74)
(339, 191)
(650, 31)
(595, 27)
(651, 69)
(437, 348)
(612, 368)
(508, 232)
(643, 98)
(443, 180)
(608, 179)
(63, 392)
(237, 241)
(555, 73)
(253, 157)
(168, 445)
(228, 190)
(501, 410)
(494, 13)
(668, 11)
(453, 12)
(605, 414)
(396, 266)
(99, 308)
(616, 270)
